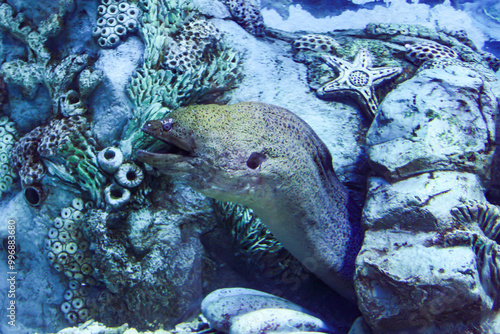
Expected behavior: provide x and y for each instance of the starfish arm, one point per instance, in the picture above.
(371, 101)
(337, 63)
(380, 74)
(331, 87)
(363, 59)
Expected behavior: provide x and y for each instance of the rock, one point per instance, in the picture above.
(212, 8)
(405, 282)
(214, 296)
(110, 103)
(441, 119)
(225, 305)
(151, 259)
(360, 327)
(276, 320)
(421, 203)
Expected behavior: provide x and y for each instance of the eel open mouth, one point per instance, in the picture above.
(164, 155)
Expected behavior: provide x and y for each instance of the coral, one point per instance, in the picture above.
(492, 61)
(68, 252)
(88, 81)
(195, 40)
(116, 196)
(41, 68)
(70, 104)
(62, 149)
(315, 42)
(420, 52)
(8, 136)
(116, 20)
(481, 69)
(34, 194)
(142, 257)
(129, 175)
(185, 61)
(357, 79)
(255, 242)
(110, 159)
(25, 159)
(247, 14)
(486, 215)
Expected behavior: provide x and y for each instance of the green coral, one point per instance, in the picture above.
(8, 136)
(253, 240)
(157, 88)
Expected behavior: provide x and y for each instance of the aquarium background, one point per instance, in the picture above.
(148, 260)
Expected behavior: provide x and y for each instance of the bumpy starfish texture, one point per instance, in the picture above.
(357, 79)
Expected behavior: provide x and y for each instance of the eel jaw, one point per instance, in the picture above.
(169, 163)
(177, 160)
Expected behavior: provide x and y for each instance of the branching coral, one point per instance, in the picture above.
(61, 149)
(185, 61)
(41, 68)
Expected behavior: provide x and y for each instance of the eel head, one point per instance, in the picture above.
(208, 150)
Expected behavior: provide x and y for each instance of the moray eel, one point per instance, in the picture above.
(267, 158)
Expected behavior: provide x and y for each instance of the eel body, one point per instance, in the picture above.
(267, 158)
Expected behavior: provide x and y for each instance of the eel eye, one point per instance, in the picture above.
(255, 159)
(167, 124)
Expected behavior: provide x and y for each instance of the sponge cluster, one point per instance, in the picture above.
(68, 252)
(8, 136)
(116, 20)
(186, 52)
(43, 141)
(420, 52)
(317, 43)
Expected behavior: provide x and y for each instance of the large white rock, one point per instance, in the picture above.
(272, 320)
(405, 281)
(441, 119)
(420, 203)
(222, 312)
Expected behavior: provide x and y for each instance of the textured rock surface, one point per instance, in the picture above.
(421, 203)
(439, 286)
(431, 145)
(110, 103)
(442, 119)
(151, 260)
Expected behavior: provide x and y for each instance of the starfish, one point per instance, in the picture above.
(357, 79)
